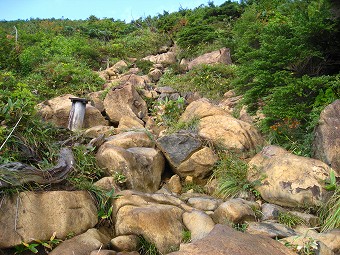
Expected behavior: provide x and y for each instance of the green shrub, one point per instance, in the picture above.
(144, 65)
(283, 70)
(142, 42)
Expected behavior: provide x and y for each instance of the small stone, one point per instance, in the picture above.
(125, 243)
(174, 184)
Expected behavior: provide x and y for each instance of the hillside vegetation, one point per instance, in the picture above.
(286, 55)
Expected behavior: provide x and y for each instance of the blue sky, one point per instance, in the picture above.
(81, 9)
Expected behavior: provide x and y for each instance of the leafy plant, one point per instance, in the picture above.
(47, 245)
(331, 183)
(167, 111)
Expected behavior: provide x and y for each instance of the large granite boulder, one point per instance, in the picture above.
(160, 224)
(57, 111)
(124, 101)
(37, 215)
(230, 133)
(326, 146)
(201, 108)
(82, 244)
(214, 57)
(235, 211)
(142, 167)
(287, 179)
(186, 154)
(167, 58)
(132, 139)
(224, 240)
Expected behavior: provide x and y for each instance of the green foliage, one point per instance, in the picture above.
(194, 187)
(283, 68)
(86, 167)
(330, 212)
(144, 65)
(231, 174)
(191, 126)
(62, 76)
(240, 226)
(186, 236)
(167, 111)
(32, 247)
(289, 219)
(210, 81)
(142, 42)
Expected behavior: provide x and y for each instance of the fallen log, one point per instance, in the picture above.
(16, 173)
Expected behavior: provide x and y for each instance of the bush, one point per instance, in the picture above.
(282, 66)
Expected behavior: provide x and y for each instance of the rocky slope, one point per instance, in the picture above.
(149, 200)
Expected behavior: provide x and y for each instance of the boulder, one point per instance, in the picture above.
(269, 229)
(174, 184)
(120, 66)
(124, 101)
(137, 81)
(224, 240)
(201, 108)
(167, 58)
(97, 99)
(107, 183)
(37, 215)
(155, 74)
(198, 223)
(132, 139)
(97, 131)
(186, 156)
(178, 147)
(199, 165)
(82, 244)
(326, 145)
(57, 111)
(230, 133)
(214, 57)
(160, 224)
(125, 243)
(204, 203)
(287, 179)
(130, 122)
(142, 167)
(271, 211)
(235, 211)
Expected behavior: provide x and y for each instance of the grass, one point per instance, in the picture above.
(147, 248)
(290, 220)
(191, 125)
(330, 212)
(186, 236)
(231, 174)
(210, 81)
